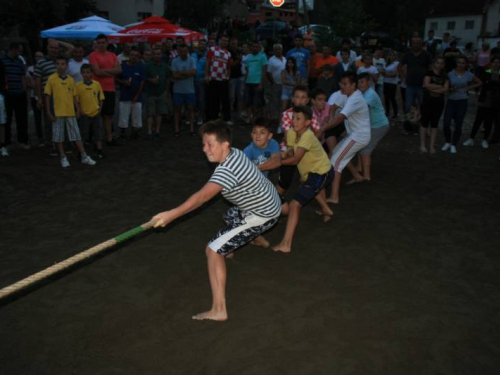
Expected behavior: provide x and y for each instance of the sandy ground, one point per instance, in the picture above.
(404, 279)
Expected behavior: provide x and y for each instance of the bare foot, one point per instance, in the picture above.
(260, 241)
(354, 181)
(283, 248)
(333, 200)
(219, 316)
(327, 216)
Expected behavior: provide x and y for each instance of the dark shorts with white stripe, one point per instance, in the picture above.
(242, 227)
(312, 186)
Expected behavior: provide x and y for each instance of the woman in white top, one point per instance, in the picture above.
(390, 74)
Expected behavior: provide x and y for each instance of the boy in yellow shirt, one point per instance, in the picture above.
(60, 91)
(315, 169)
(90, 97)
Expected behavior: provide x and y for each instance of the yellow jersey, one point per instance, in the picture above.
(89, 96)
(63, 94)
(315, 160)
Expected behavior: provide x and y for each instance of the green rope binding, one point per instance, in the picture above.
(131, 233)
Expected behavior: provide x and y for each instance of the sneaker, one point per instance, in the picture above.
(24, 146)
(469, 142)
(88, 160)
(453, 149)
(64, 162)
(484, 143)
(446, 147)
(5, 151)
(100, 154)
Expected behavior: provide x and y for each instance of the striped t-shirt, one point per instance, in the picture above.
(14, 72)
(245, 186)
(44, 68)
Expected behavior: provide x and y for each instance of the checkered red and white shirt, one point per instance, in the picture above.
(286, 123)
(219, 61)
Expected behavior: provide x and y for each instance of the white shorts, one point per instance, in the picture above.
(344, 152)
(127, 108)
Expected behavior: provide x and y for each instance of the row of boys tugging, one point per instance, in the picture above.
(257, 203)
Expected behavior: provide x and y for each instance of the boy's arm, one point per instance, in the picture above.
(196, 200)
(139, 92)
(331, 124)
(77, 106)
(295, 159)
(48, 109)
(272, 163)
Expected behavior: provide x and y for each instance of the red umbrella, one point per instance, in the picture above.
(152, 30)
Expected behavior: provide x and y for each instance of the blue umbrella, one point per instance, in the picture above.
(85, 29)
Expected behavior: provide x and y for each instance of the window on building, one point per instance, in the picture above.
(451, 25)
(469, 25)
(434, 26)
(143, 15)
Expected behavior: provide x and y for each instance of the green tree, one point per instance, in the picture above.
(349, 18)
(197, 15)
(27, 18)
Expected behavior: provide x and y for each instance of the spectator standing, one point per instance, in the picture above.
(155, 88)
(131, 80)
(236, 77)
(256, 67)
(217, 75)
(44, 68)
(183, 72)
(483, 59)
(200, 59)
(379, 63)
(301, 56)
(436, 84)
(431, 43)
(450, 55)
(416, 64)
(75, 63)
(346, 45)
(31, 85)
(313, 72)
(488, 103)
(390, 74)
(106, 67)
(290, 77)
(344, 65)
(276, 64)
(16, 101)
(461, 81)
(125, 55)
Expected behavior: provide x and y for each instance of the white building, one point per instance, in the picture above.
(468, 21)
(125, 12)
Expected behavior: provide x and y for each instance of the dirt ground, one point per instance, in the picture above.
(404, 280)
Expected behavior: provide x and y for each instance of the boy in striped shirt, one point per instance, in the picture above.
(256, 208)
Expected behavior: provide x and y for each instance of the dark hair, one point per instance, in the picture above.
(263, 123)
(307, 111)
(430, 31)
(316, 92)
(14, 45)
(298, 36)
(345, 41)
(183, 45)
(219, 128)
(300, 88)
(60, 57)
(101, 36)
(294, 69)
(85, 66)
(351, 76)
(363, 75)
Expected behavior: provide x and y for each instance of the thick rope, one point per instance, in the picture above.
(30, 280)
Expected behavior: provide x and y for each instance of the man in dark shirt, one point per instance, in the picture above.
(16, 101)
(450, 55)
(414, 66)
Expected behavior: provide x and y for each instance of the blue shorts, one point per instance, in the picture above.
(312, 186)
(187, 99)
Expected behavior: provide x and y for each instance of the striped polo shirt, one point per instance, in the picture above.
(245, 186)
(44, 68)
(14, 73)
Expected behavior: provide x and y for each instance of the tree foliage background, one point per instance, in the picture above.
(28, 17)
(194, 15)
